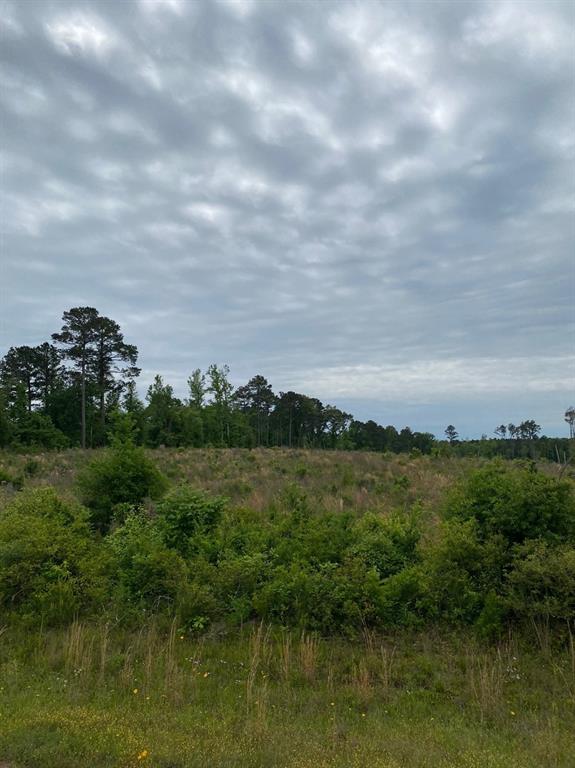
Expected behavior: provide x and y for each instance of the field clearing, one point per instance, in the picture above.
(334, 480)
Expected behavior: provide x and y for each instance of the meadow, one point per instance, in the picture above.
(106, 660)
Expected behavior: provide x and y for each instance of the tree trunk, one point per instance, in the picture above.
(102, 375)
(103, 410)
(84, 402)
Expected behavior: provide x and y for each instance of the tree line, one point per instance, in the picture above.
(70, 390)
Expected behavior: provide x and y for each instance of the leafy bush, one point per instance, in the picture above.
(186, 513)
(542, 581)
(387, 544)
(50, 566)
(147, 573)
(502, 551)
(400, 598)
(517, 502)
(122, 475)
(459, 569)
(489, 623)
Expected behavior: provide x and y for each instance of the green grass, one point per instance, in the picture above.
(89, 697)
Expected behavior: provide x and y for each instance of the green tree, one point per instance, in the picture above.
(6, 424)
(162, 413)
(77, 339)
(451, 433)
(336, 424)
(528, 430)
(20, 367)
(221, 390)
(256, 399)
(197, 389)
(111, 357)
(49, 372)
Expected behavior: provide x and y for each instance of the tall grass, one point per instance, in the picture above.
(93, 694)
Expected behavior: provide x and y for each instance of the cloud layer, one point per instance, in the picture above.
(373, 202)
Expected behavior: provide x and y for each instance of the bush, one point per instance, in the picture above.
(186, 513)
(147, 573)
(50, 566)
(387, 544)
(459, 569)
(122, 475)
(400, 598)
(542, 581)
(517, 502)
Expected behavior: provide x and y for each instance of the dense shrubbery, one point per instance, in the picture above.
(51, 567)
(518, 505)
(503, 549)
(124, 475)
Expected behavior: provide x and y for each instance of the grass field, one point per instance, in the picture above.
(255, 478)
(96, 694)
(89, 696)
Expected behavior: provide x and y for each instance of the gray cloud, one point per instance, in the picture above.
(373, 202)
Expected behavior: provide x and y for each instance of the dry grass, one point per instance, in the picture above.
(255, 479)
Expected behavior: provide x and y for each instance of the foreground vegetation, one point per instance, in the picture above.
(284, 608)
(91, 695)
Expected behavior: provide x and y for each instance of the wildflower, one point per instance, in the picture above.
(135, 691)
(143, 754)
(363, 714)
(206, 674)
(332, 704)
(513, 713)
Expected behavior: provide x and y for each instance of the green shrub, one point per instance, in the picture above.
(50, 566)
(517, 502)
(122, 475)
(459, 569)
(541, 583)
(400, 598)
(314, 598)
(490, 622)
(387, 544)
(147, 573)
(186, 513)
(31, 467)
(37, 430)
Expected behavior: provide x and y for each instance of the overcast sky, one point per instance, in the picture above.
(369, 202)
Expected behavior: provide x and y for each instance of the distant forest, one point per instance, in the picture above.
(70, 391)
